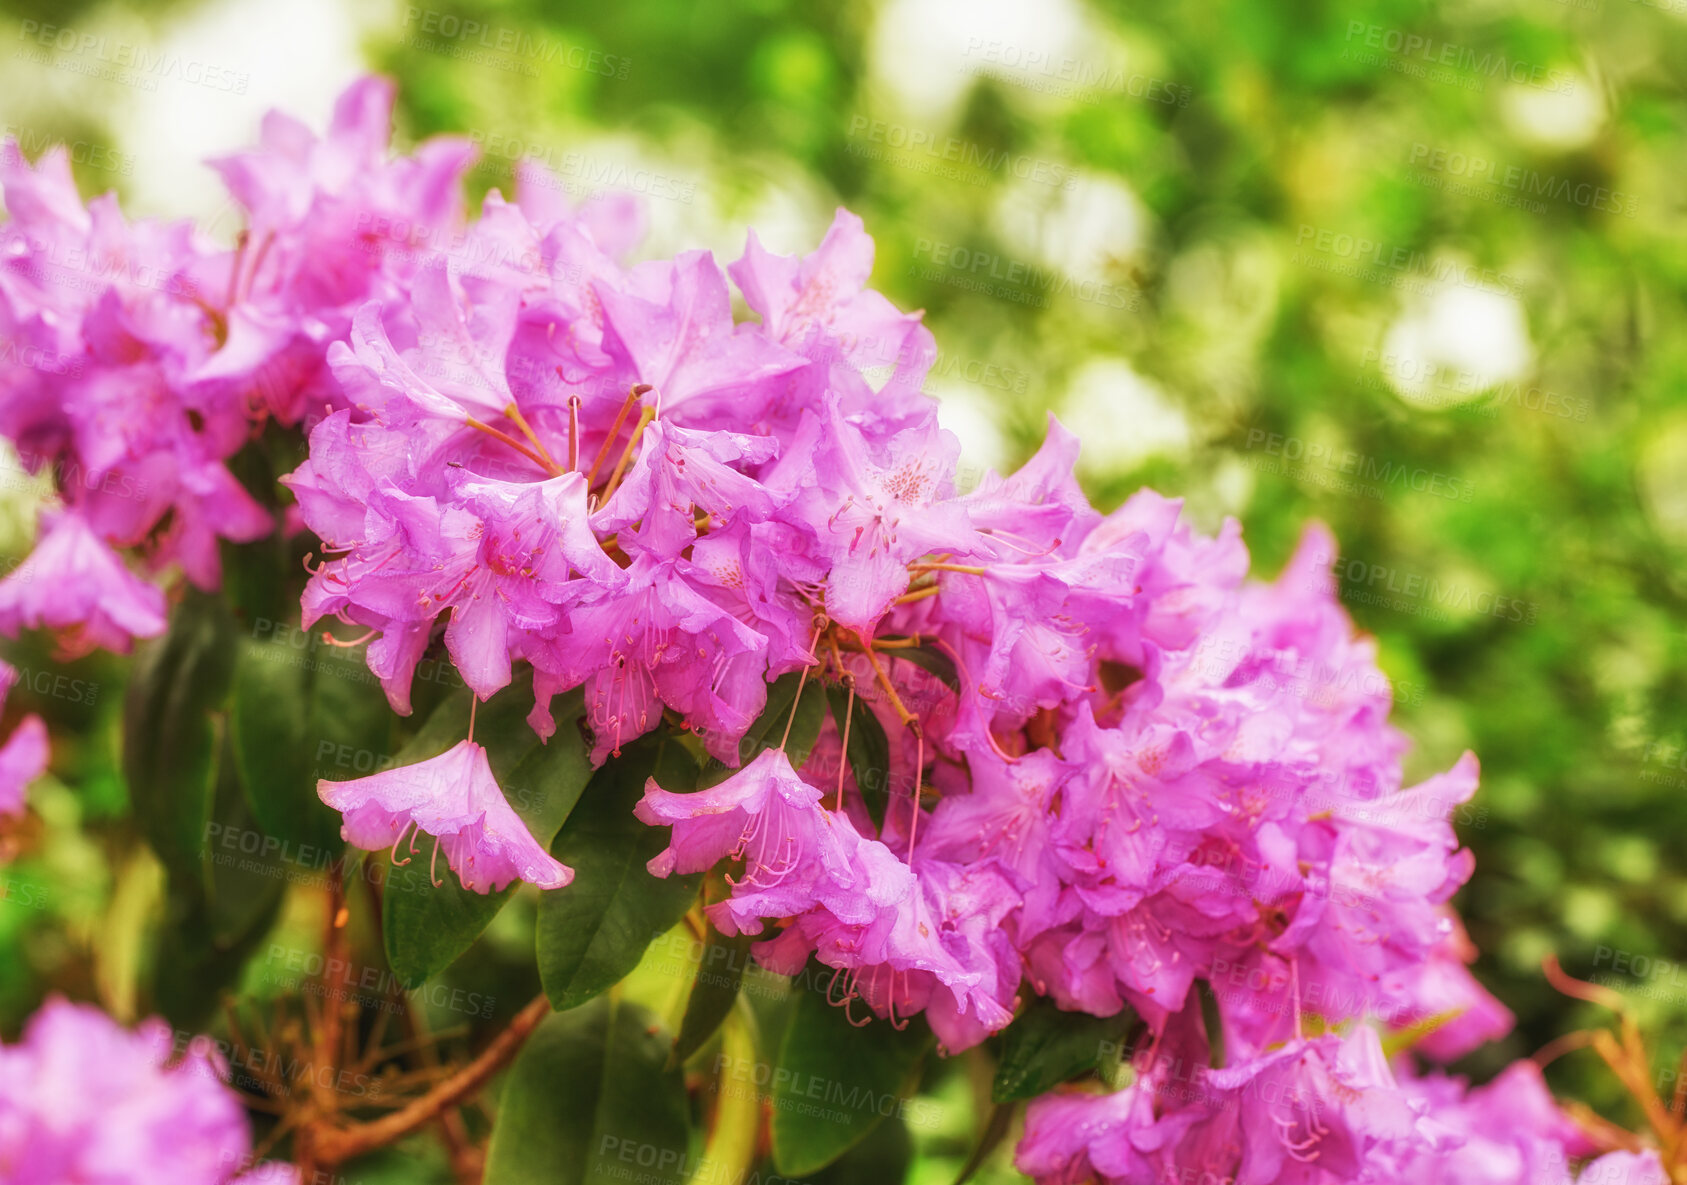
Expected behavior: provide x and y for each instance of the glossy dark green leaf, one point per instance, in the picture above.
(931, 660)
(262, 579)
(428, 927)
(304, 710)
(869, 750)
(883, 1157)
(243, 887)
(835, 1082)
(590, 1101)
(190, 971)
(769, 729)
(170, 730)
(720, 973)
(213, 922)
(1045, 1046)
(592, 933)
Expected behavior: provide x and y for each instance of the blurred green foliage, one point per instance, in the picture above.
(1228, 261)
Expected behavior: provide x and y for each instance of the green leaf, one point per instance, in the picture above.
(769, 729)
(214, 922)
(170, 731)
(262, 579)
(884, 1155)
(869, 750)
(595, 931)
(1045, 1046)
(720, 972)
(590, 1102)
(835, 1082)
(931, 660)
(426, 927)
(300, 713)
(190, 971)
(243, 890)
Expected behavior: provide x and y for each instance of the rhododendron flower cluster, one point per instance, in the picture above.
(84, 1099)
(144, 356)
(1119, 774)
(1316, 1110)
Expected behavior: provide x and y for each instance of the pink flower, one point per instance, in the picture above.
(23, 757)
(455, 799)
(795, 852)
(873, 504)
(673, 330)
(76, 586)
(83, 1099)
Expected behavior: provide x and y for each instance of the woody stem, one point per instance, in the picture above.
(335, 1146)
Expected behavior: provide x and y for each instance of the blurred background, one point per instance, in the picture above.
(1415, 270)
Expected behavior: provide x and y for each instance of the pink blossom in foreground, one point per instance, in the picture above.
(84, 1099)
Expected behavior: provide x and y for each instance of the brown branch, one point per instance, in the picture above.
(335, 1146)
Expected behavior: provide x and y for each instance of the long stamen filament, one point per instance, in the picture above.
(614, 431)
(843, 751)
(520, 421)
(548, 466)
(644, 418)
(919, 776)
(940, 566)
(919, 594)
